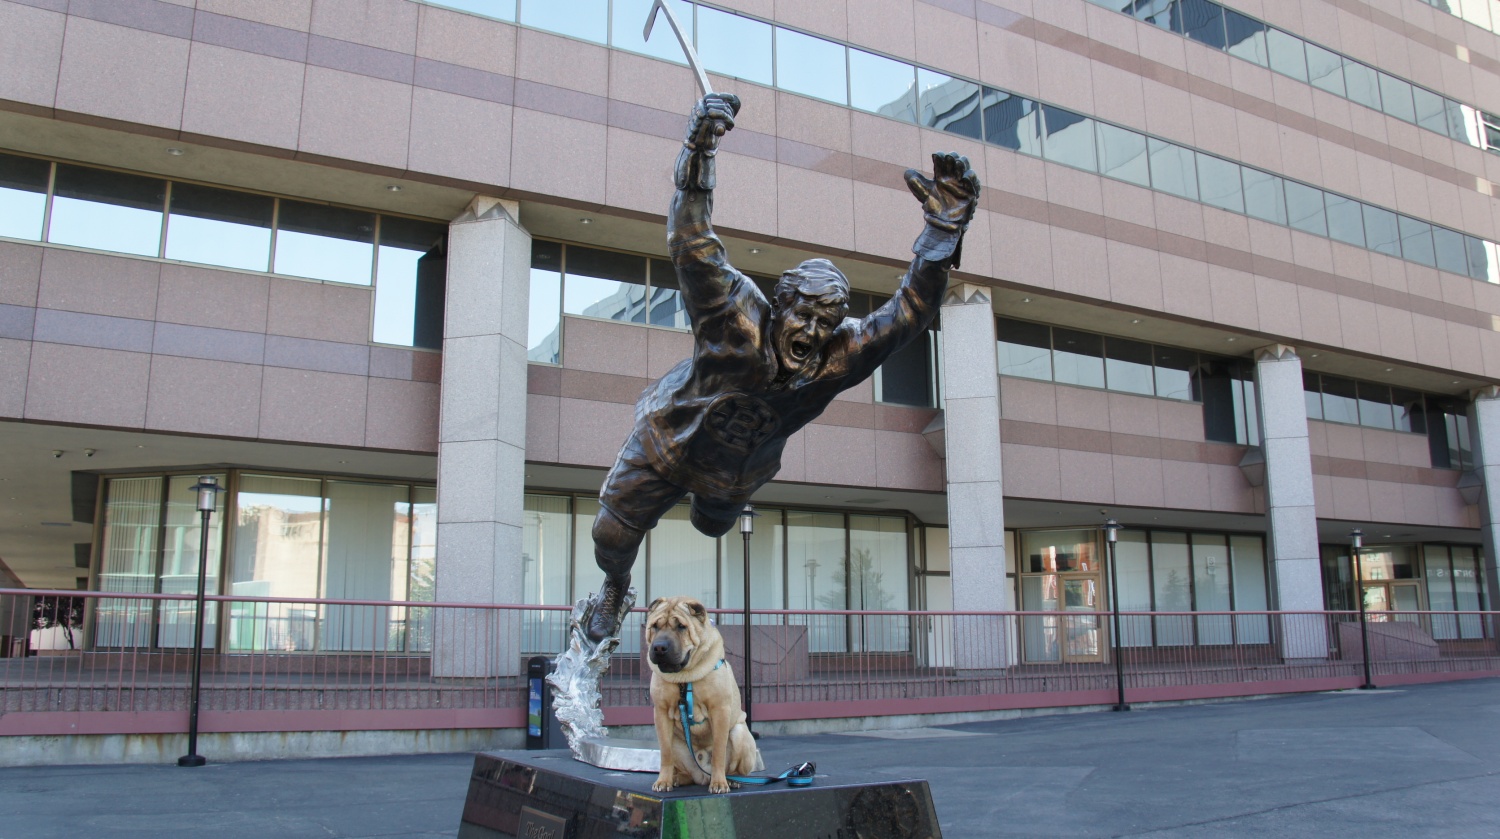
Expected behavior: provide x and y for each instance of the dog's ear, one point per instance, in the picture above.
(696, 609)
(651, 608)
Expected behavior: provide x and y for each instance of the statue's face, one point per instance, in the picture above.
(799, 332)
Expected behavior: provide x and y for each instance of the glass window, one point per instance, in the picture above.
(1345, 222)
(132, 514)
(1396, 98)
(1483, 262)
(1375, 406)
(1476, 12)
(906, 377)
(1174, 377)
(1246, 37)
(1069, 137)
(1173, 169)
(1380, 227)
(766, 552)
(23, 196)
(324, 243)
(605, 284)
(1219, 183)
(220, 227)
(1305, 209)
(1287, 54)
(949, 104)
(1133, 577)
(1339, 401)
(585, 19)
(1411, 410)
(681, 560)
(877, 581)
(1211, 588)
(1362, 84)
(1416, 241)
(731, 45)
(1468, 590)
(111, 211)
(1173, 587)
(1025, 349)
(1312, 394)
(176, 621)
(1265, 196)
(365, 558)
(1247, 555)
(882, 85)
(546, 557)
(816, 576)
(544, 320)
(1012, 121)
(666, 306)
(1122, 154)
(1200, 20)
(1127, 366)
(278, 551)
(1430, 109)
(1449, 249)
(811, 66)
(629, 22)
(1325, 70)
(410, 283)
(499, 9)
(1158, 13)
(1463, 123)
(1078, 358)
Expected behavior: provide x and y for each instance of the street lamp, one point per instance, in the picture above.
(747, 527)
(1111, 535)
(207, 488)
(1356, 541)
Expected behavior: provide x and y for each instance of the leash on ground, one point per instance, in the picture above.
(800, 775)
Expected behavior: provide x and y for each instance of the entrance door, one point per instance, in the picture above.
(1393, 600)
(1081, 635)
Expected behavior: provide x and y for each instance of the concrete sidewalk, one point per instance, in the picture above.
(1418, 761)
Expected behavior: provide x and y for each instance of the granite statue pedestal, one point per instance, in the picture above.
(549, 795)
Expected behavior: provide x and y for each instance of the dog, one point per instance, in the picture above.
(684, 647)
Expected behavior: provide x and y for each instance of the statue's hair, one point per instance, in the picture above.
(815, 279)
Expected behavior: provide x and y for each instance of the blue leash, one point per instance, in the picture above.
(800, 775)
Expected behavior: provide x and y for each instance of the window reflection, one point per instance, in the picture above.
(1375, 406)
(220, 227)
(1430, 110)
(882, 86)
(666, 305)
(1200, 20)
(499, 9)
(1265, 197)
(605, 284)
(1173, 169)
(1122, 154)
(1380, 229)
(1361, 84)
(1396, 97)
(811, 66)
(1246, 37)
(1069, 138)
(1340, 403)
(324, 243)
(23, 196)
(734, 46)
(1325, 70)
(112, 211)
(1127, 366)
(544, 321)
(1416, 241)
(1012, 121)
(1344, 221)
(1025, 349)
(1287, 54)
(1173, 367)
(585, 19)
(1305, 210)
(410, 281)
(1078, 358)
(1219, 182)
(629, 20)
(1448, 250)
(949, 104)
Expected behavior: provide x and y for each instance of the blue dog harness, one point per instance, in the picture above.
(800, 775)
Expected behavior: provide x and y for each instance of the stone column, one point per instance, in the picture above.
(482, 440)
(976, 513)
(1484, 431)
(1291, 513)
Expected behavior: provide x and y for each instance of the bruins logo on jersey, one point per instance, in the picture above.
(741, 422)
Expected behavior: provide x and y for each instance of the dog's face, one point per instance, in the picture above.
(675, 628)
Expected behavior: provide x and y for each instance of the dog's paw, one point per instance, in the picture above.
(718, 786)
(662, 785)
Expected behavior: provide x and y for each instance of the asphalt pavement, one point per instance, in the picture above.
(1416, 761)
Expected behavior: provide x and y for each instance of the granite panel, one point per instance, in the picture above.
(209, 343)
(402, 415)
(59, 327)
(1085, 476)
(1083, 407)
(218, 299)
(464, 81)
(236, 30)
(411, 365)
(87, 386)
(594, 431)
(1028, 400)
(562, 62)
(15, 365)
(665, 349)
(752, 182)
(543, 420)
(545, 148)
(308, 406)
(358, 58)
(310, 354)
(1185, 485)
(31, 41)
(122, 73)
(288, 14)
(815, 208)
(319, 311)
(1131, 414)
(1031, 471)
(354, 117)
(905, 461)
(145, 15)
(99, 284)
(630, 185)
(883, 25)
(197, 396)
(456, 38)
(459, 137)
(828, 460)
(17, 322)
(605, 347)
(387, 24)
(1138, 481)
(20, 273)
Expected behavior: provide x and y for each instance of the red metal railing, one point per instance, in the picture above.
(77, 662)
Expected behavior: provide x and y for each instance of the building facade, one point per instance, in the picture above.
(395, 273)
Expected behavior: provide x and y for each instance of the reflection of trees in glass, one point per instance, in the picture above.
(66, 612)
(863, 587)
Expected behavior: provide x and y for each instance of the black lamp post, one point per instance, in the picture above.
(1356, 541)
(747, 527)
(207, 488)
(1111, 535)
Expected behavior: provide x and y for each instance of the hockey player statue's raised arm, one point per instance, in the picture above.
(714, 426)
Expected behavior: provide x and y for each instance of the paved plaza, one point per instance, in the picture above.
(1415, 761)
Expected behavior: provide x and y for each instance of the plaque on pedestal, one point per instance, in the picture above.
(549, 795)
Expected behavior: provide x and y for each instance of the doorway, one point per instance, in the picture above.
(1061, 572)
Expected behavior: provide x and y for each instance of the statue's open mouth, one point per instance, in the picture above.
(800, 350)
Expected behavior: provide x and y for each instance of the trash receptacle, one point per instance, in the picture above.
(543, 731)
